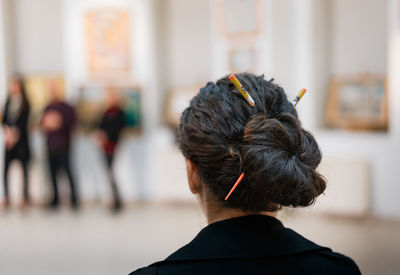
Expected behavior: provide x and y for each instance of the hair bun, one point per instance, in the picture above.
(220, 133)
(279, 159)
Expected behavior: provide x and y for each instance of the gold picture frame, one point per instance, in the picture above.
(358, 103)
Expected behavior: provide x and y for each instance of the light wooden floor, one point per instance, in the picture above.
(95, 242)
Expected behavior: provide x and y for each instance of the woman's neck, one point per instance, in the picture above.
(215, 212)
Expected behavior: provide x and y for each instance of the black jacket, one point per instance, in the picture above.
(112, 123)
(251, 245)
(21, 149)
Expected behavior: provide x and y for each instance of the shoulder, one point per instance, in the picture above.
(150, 270)
(339, 262)
(252, 243)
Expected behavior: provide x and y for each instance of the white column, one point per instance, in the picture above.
(303, 58)
(3, 72)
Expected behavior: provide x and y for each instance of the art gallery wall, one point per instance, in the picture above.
(174, 44)
(360, 42)
(170, 48)
(351, 37)
(378, 148)
(309, 42)
(133, 164)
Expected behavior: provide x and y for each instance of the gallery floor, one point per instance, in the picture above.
(94, 241)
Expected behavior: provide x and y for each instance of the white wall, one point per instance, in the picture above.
(357, 49)
(188, 42)
(38, 36)
(359, 36)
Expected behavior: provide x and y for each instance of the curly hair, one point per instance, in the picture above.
(224, 136)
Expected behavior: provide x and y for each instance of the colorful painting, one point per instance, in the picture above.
(91, 105)
(107, 36)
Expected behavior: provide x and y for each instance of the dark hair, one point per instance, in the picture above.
(224, 136)
(25, 102)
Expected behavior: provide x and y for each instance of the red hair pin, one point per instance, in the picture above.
(235, 185)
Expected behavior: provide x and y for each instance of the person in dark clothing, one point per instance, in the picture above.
(15, 122)
(58, 122)
(224, 138)
(110, 127)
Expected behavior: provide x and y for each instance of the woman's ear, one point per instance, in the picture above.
(194, 181)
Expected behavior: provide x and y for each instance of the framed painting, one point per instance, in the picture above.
(108, 38)
(358, 103)
(91, 105)
(38, 90)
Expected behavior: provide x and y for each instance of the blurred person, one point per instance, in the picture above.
(15, 122)
(223, 138)
(58, 122)
(108, 133)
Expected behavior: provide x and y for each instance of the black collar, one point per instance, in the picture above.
(256, 236)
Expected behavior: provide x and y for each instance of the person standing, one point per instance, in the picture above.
(110, 127)
(58, 122)
(15, 122)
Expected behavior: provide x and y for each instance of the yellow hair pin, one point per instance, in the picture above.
(298, 97)
(241, 89)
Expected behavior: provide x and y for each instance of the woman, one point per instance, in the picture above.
(111, 125)
(15, 122)
(221, 137)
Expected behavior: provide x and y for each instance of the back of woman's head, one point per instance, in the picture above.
(18, 81)
(225, 136)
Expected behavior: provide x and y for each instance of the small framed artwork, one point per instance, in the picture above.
(239, 17)
(358, 103)
(242, 60)
(91, 105)
(178, 99)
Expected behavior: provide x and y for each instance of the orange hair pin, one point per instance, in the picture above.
(235, 185)
(246, 96)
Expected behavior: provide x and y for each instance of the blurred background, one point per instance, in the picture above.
(145, 59)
